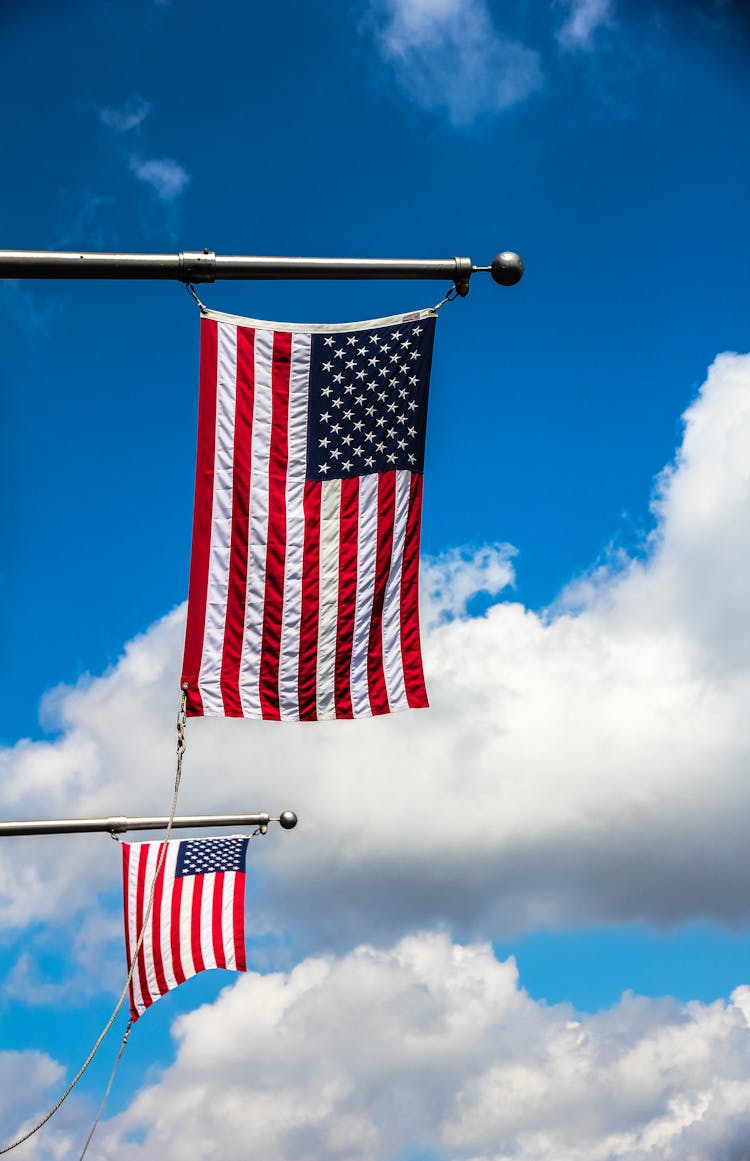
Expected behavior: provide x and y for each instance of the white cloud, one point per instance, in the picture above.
(448, 55)
(129, 116)
(585, 18)
(167, 178)
(164, 176)
(431, 1046)
(573, 768)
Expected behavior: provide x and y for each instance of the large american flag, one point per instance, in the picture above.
(303, 600)
(198, 916)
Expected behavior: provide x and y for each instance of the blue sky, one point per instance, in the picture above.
(559, 842)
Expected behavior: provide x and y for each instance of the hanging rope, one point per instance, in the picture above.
(109, 1089)
(181, 722)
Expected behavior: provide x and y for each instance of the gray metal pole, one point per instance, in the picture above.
(205, 266)
(118, 824)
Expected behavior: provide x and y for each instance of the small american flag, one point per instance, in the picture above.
(303, 600)
(198, 916)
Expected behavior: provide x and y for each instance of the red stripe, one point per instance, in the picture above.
(161, 981)
(273, 604)
(416, 693)
(126, 900)
(238, 921)
(308, 636)
(347, 602)
(386, 514)
(204, 491)
(237, 587)
(195, 924)
(178, 970)
(139, 897)
(216, 920)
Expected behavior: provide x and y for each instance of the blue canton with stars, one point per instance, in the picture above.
(368, 400)
(205, 856)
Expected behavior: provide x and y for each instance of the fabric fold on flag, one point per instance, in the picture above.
(304, 579)
(198, 916)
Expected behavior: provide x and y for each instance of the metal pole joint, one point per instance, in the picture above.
(197, 266)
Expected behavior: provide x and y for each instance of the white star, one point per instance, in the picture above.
(375, 338)
(335, 428)
(361, 350)
(326, 391)
(369, 461)
(413, 354)
(385, 347)
(358, 425)
(357, 451)
(396, 335)
(412, 404)
(412, 459)
(349, 389)
(324, 441)
(402, 392)
(360, 399)
(380, 447)
(400, 419)
(382, 396)
(369, 436)
(346, 466)
(328, 366)
(402, 443)
(335, 452)
(392, 405)
(339, 352)
(380, 420)
(338, 378)
(326, 416)
(361, 374)
(347, 439)
(352, 341)
(391, 458)
(350, 364)
(405, 343)
(413, 380)
(382, 371)
(348, 414)
(412, 431)
(418, 330)
(324, 468)
(337, 403)
(373, 361)
(329, 343)
(369, 411)
(394, 358)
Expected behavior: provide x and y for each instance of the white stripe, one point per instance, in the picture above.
(227, 919)
(221, 523)
(367, 535)
(257, 533)
(330, 519)
(170, 865)
(206, 918)
(393, 662)
(185, 925)
(295, 529)
(147, 948)
(133, 866)
(321, 328)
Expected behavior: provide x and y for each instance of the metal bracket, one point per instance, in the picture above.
(197, 266)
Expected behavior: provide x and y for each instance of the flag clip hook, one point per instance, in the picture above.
(191, 291)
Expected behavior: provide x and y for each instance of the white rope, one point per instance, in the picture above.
(109, 1089)
(181, 720)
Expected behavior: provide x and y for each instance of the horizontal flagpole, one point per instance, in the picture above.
(118, 824)
(206, 266)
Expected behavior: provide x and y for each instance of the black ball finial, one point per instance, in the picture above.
(507, 268)
(288, 819)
